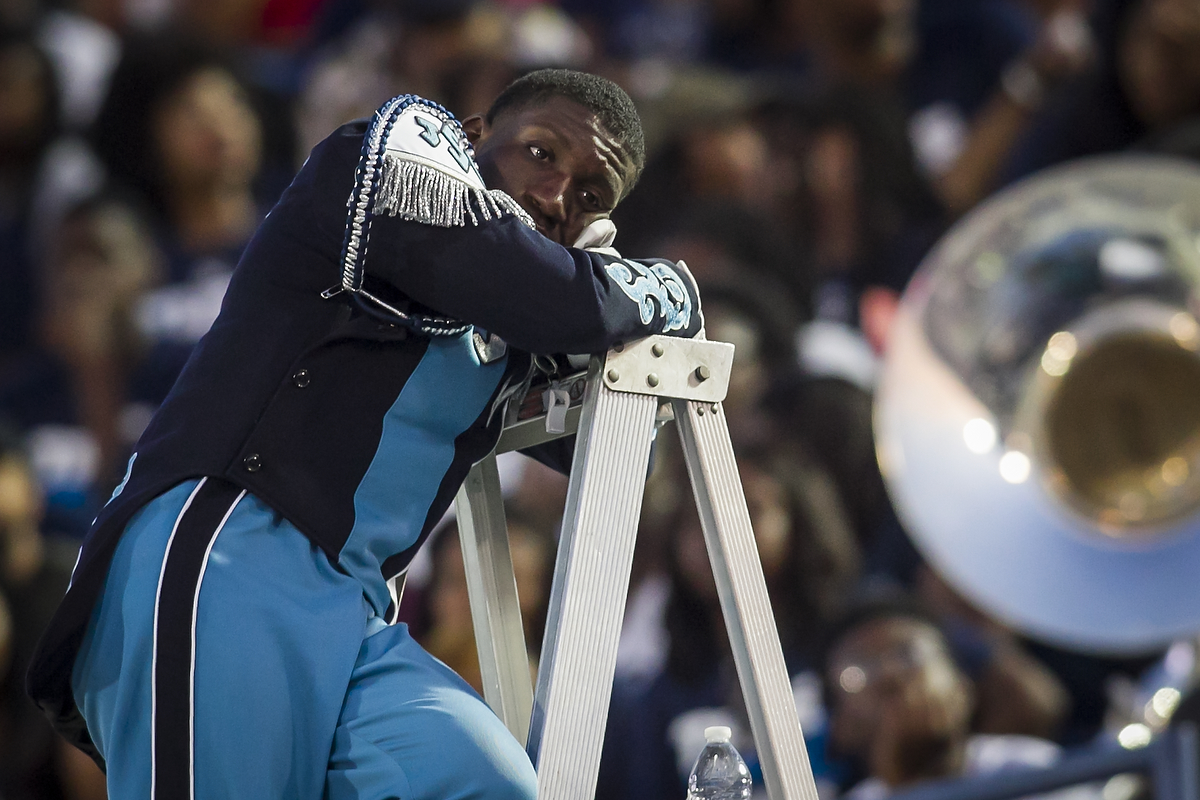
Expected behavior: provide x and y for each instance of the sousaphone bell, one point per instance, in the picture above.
(1038, 414)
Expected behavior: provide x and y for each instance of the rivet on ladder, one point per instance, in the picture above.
(652, 379)
(613, 376)
(656, 349)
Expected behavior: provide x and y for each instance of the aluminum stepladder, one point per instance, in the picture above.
(614, 409)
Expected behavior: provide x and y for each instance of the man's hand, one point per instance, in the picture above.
(686, 274)
(598, 237)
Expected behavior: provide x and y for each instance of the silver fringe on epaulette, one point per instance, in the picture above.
(423, 194)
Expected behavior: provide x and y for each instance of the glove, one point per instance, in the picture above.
(599, 237)
(686, 274)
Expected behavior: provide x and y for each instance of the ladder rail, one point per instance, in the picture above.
(591, 580)
(492, 591)
(745, 604)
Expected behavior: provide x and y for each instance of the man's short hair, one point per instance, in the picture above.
(602, 97)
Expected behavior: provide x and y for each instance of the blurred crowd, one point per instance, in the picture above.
(803, 157)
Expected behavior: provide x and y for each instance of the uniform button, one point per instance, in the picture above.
(301, 378)
(252, 462)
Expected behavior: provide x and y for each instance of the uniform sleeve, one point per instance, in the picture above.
(420, 220)
(532, 292)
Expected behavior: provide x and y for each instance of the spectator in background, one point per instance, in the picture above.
(1143, 88)
(459, 52)
(178, 132)
(403, 46)
(34, 570)
(901, 708)
(178, 128)
(970, 80)
(1014, 693)
(959, 81)
(105, 265)
(709, 197)
(860, 210)
(28, 124)
(898, 704)
(1160, 63)
(81, 395)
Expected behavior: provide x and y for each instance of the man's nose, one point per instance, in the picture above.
(549, 195)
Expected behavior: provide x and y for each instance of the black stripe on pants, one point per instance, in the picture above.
(196, 529)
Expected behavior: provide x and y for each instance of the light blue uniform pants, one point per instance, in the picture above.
(228, 659)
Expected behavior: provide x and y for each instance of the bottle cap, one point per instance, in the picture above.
(717, 733)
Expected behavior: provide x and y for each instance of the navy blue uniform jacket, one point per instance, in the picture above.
(358, 431)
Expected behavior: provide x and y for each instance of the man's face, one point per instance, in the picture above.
(556, 160)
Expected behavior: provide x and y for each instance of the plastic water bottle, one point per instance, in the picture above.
(719, 773)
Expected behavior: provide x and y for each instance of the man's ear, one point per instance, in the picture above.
(475, 127)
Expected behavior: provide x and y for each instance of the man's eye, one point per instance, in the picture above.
(540, 153)
(592, 201)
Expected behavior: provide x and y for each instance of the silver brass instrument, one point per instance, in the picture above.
(1038, 415)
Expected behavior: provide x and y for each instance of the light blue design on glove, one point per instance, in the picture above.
(656, 288)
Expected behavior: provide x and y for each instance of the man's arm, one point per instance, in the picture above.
(421, 220)
(534, 293)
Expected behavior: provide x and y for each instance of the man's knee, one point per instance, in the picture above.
(431, 769)
(409, 720)
(507, 775)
